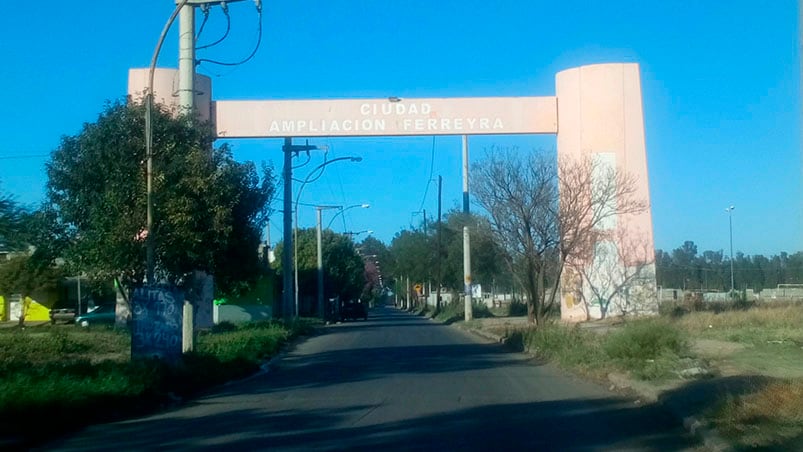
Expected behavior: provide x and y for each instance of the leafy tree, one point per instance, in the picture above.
(343, 267)
(11, 222)
(487, 257)
(208, 208)
(685, 268)
(413, 256)
(378, 266)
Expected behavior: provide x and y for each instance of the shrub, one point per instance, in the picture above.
(480, 310)
(647, 348)
(517, 308)
(769, 417)
(450, 312)
(223, 327)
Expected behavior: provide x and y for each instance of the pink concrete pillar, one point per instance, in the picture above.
(600, 118)
(165, 89)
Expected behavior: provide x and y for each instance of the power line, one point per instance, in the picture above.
(431, 171)
(23, 156)
(206, 17)
(253, 53)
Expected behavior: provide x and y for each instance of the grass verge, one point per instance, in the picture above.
(57, 380)
(647, 349)
(455, 310)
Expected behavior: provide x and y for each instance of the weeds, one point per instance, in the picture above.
(455, 310)
(772, 416)
(648, 349)
(754, 326)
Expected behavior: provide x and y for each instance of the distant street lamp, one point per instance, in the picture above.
(313, 175)
(343, 210)
(730, 229)
(319, 231)
(354, 233)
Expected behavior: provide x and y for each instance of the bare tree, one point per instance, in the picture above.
(547, 214)
(617, 275)
(521, 196)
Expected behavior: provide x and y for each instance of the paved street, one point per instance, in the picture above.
(400, 382)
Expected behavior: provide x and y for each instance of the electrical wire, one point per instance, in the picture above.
(253, 53)
(309, 157)
(205, 10)
(431, 171)
(225, 35)
(30, 156)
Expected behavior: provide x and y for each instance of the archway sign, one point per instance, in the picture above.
(596, 113)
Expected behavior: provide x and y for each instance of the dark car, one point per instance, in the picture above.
(353, 311)
(100, 315)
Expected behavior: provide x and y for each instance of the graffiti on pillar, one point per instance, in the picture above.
(156, 322)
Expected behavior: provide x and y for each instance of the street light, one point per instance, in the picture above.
(342, 210)
(318, 211)
(730, 229)
(310, 178)
(367, 231)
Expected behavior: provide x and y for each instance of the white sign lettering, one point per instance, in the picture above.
(350, 117)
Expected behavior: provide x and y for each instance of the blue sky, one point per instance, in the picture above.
(720, 80)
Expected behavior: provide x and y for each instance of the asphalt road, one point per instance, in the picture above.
(398, 382)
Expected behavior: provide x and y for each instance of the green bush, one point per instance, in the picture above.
(647, 348)
(223, 327)
(456, 310)
(480, 310)
(517, 308)
(569, 346)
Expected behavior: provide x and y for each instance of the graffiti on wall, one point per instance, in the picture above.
(156, 322)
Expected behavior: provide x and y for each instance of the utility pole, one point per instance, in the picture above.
(438, 251)
(186, 58)
(319, 244)
(289, 149)
(730, 230)
(186, 97)
(467, 307)
(287, 233)
(465, 175)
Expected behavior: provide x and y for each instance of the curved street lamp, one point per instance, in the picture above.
(150, 253)
(311, 177)
(343, 209)
(354, 233)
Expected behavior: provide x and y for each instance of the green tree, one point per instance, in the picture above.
(488, 264)
(11, 222)
(208, 208)
(378, 267)
(413, 254)
(342, 265)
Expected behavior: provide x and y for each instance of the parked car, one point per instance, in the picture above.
(353, 310)
(62, 315)
(99, 315)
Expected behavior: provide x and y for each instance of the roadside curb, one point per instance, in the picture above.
(709, 437)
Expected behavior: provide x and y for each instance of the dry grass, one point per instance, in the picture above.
(754, 326)
(771, 416)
